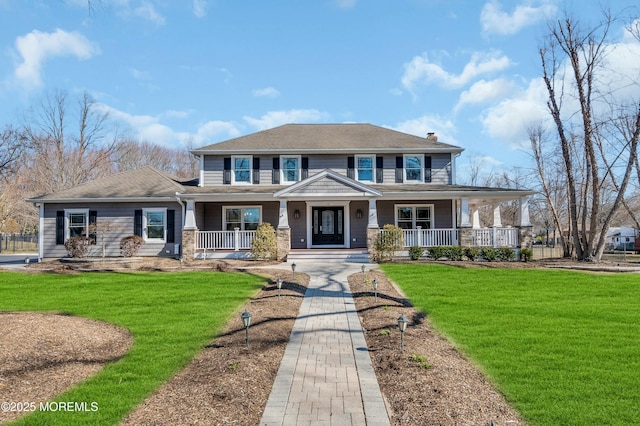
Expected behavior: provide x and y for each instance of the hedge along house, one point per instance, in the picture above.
(320, 185)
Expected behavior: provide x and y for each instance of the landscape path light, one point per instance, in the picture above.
(402, 324)
(246, 321)
(363, 274)
(279, 282)
(375, 289)
(293, 269)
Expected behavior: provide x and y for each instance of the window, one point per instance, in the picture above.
(413, 168)
(154, 225)
(245, 218)
(241, 169)
(290, 169)
(410, 217)
(365, 168)
(77, 223)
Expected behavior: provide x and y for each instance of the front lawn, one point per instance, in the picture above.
(563, 346)
(170, 315)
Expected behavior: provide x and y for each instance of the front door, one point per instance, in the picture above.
(328, 225)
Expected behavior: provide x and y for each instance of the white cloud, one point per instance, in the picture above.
(200, 8)
(495, 21)
(267, 92)
(421, 71)
(442, 127)
(139, 75)
(485, 91)
(510, 119)
(36, 47)
(346, 4)
(150, 128)
(147, 11)
(278, 118)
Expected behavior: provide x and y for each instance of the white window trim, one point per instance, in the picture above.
(67, 212)
(233, 170)
(224, 215)
(404, 168)
(373, 167)
(413, 216)
(144, 224)
(282, 169)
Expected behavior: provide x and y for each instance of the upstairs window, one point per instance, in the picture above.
(290, 169)
(365, 168)
(413, 168)
(241, 169)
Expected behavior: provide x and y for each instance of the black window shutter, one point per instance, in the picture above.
(93, 219)
(399, 167)
(60, 227)
(379, 169)
(256, 169)
(350, 168)
(275, 173)
(427, 168)
(226, 179)
(171, 230)
(305, 167)
(137, 223)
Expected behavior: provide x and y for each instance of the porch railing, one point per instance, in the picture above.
(224, 240)
(430, 237)
(495, 237)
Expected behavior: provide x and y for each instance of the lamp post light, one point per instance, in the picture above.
(375, 289)
(246, 321)
(293, 269)
(279, 282)
(363, 274)
(402, 324)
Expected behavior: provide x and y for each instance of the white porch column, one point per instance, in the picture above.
(373, 214)
(497, 220)
(523, 212)
(465, 214)
(475, 218)
(283, 221)
(190, 215)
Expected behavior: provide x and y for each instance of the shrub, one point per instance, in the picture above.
(130, 245)
(264, 245)
(453, 252)
(78, 246)
(526, 254)
(505, 254)
(415, 252)
(471, 253)
(436, 252)
(387, 243)
(488, 253)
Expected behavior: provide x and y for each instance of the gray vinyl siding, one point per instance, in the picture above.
(120, 217)
(440, 171)
(298, 226)
(359, 225)
(442, 212)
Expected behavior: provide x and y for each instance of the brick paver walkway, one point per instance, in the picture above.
(326, 376)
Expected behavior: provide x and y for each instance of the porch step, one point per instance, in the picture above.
(329, 255)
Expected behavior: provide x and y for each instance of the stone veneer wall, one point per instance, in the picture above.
(283, 243)
(188, 244)
(465, 236)
(525, 236)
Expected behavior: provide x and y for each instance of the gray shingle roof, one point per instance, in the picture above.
(146, 182)
(327, 138)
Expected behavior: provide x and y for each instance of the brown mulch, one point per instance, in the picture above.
(44, 354)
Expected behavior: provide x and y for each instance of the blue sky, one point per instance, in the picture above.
(200, 71)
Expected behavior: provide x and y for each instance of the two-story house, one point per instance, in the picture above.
(320, 186)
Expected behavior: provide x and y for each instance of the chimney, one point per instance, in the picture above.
(432, 137)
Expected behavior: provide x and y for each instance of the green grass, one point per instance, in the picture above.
(563, 346)
(171, 316)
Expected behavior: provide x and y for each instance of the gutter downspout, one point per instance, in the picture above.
(40, 232)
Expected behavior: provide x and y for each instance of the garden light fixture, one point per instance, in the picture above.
(402, 324)
(375, 289)
(363, 272)
(279, 283)
(293, 269)
(246, 321)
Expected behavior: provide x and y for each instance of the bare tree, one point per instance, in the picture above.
(571, 64)
(12, 145)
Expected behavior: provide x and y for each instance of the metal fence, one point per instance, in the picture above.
(14, 243)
